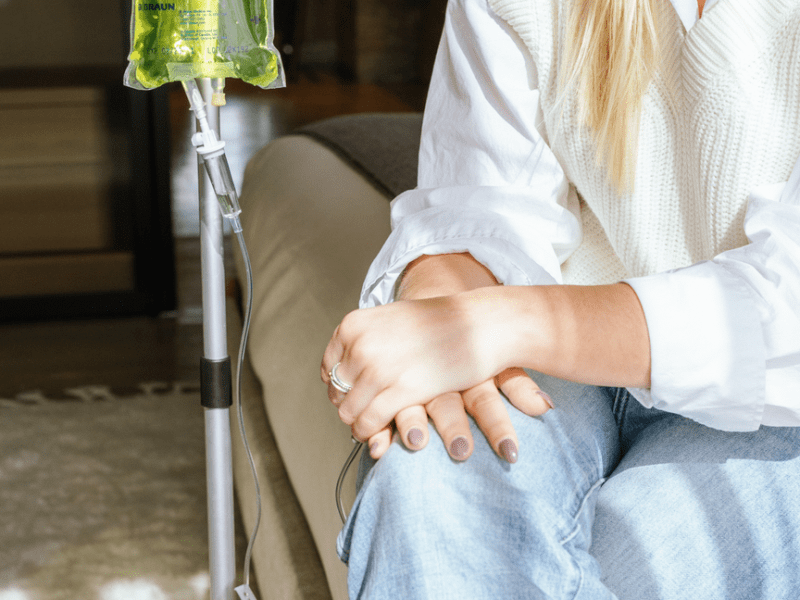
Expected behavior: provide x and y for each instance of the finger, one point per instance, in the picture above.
(412, 424)
(336, 395)
(486, 406)
(523, 392)
(360, 398)
(333, 354)
(371, 410)
(380, 442)
(450, 418)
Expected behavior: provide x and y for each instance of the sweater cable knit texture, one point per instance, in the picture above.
(720, 117)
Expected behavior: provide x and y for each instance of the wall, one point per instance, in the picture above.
(393, 41)
(48, 33)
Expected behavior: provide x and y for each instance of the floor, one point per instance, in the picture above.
(121, 353)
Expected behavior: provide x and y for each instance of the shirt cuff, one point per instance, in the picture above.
(706, 346)
(484, 236)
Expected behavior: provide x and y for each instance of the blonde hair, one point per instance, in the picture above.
(611, 52)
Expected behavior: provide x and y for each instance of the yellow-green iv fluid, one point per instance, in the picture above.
(189, 39)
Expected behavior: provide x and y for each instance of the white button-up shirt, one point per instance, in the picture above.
(489, 184)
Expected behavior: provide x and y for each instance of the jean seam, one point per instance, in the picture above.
(578, 570)
(619, 407)
(595, 486)
(576, 517)
(580, 578)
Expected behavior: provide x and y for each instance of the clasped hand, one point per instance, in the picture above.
(441, 357)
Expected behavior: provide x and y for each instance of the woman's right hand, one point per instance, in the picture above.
(441, 275)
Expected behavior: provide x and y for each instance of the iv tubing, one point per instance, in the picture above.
(248, 309)
(340, 481)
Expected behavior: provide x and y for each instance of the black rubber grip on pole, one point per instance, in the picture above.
(215, 383)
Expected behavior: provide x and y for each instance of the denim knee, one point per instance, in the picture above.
(426, 526)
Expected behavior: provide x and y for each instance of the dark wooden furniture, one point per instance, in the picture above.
(85, 225)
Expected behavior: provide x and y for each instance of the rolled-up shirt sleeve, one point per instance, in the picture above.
(488, 183)
(725, 333)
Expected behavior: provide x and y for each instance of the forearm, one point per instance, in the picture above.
(591, 334)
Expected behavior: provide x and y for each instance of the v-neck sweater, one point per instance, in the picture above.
(718, 120)
(713, 258)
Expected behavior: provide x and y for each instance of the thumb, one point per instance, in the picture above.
(523, 392)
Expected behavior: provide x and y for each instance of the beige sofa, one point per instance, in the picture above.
(315, 212)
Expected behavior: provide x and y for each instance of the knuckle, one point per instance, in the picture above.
(365, 427)
(345, 415)
(359, 352)
(410, 416)
(356, 437)
(447, 409)
(349, 325)
(333, 396)
(480, 399)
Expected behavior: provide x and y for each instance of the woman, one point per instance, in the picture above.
(602, 200)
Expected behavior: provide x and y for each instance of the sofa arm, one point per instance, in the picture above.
(314, 218)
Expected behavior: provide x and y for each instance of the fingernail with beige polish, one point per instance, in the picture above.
(415, 437)
(509, 450)
(546, 398)
(459, 447)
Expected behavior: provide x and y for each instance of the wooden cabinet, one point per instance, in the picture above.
(85, 227)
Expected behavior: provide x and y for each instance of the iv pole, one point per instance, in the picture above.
(216, 380)
(218, 200)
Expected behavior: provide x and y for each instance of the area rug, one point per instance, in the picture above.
(102, 496)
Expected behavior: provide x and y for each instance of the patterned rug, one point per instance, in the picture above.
(103, 497)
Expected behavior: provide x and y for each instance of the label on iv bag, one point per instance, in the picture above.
(189, 39)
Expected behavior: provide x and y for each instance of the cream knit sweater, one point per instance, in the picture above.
(720, 117)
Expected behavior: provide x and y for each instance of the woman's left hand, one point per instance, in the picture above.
(409, 352)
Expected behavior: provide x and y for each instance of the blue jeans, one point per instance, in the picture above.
(607, 500)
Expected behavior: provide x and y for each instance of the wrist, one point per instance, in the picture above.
(590, 334)
(443, 275)
(501, 319)
(525, 326)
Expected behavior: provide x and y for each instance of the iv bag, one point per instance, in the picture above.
(190, 39)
